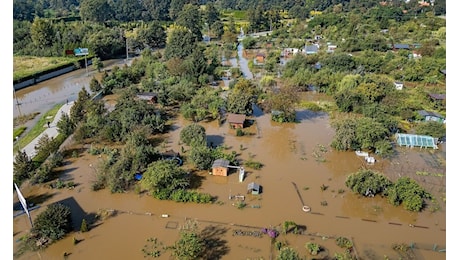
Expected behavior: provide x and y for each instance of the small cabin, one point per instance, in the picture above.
(150, 97)
(430, 116)
(260, 58)
(236, 120)
(398, 85)
(220, 167)
(253, 188)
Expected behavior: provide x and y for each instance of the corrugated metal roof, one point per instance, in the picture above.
(220, 163)
(253, 186)
(428, 113)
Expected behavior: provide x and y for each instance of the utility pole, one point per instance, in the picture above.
(86, 66)
(17, 102)
(126, 43)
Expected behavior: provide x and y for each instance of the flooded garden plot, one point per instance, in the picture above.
(289, 153)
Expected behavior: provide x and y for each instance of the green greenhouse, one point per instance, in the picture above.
(411, 140)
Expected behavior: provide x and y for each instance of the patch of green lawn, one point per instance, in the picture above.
(37, 129)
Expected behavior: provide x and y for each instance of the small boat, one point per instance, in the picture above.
(306, 208)
(361, 153)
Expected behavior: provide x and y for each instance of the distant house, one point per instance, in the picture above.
(290, 51)
(437, 97)
(236, 120)
(311, 49)
(401, 46)
(220, 167)
(226, 74)
(260, 58)
(398, 85)
(150, 97)
(415, 55)
(331, 48)
(253, 188)
(431, 116)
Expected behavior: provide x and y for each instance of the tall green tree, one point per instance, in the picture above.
(190, 245)
(42, 32)
(409, 193)
(175, 7)
(23, 167)
(345, 133)
(154, 36)
(180, 43)
(53, 223)
(126, 10)
(241, 97)
(193, 135)
(190, 18)
(156, 10)
(367, 183)
(163, 177)
(106, 43)
(206, 104)
(95, 10)
(217, 29)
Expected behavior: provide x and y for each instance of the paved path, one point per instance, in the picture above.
(51, 131)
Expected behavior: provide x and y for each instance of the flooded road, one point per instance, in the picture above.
(43, 96)
(293, 153)
(243, 63)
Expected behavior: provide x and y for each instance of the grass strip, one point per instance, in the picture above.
(18, 131)
(37, 129)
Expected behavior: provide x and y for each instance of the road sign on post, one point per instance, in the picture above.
(81, 52)
(23, 203)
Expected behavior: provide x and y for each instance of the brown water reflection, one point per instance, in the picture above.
(44, 95)
(291, 153)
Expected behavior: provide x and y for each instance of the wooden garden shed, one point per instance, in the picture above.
(220, 167)
(236, 120)
(150, 97)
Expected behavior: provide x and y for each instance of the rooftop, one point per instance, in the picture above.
(236, 118)
(220, 163)
(416, 140)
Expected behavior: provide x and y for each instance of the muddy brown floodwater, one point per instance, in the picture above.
(43, 96)
(297, 153)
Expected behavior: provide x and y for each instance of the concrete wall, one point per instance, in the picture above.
(43, 77)
(47, 76)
